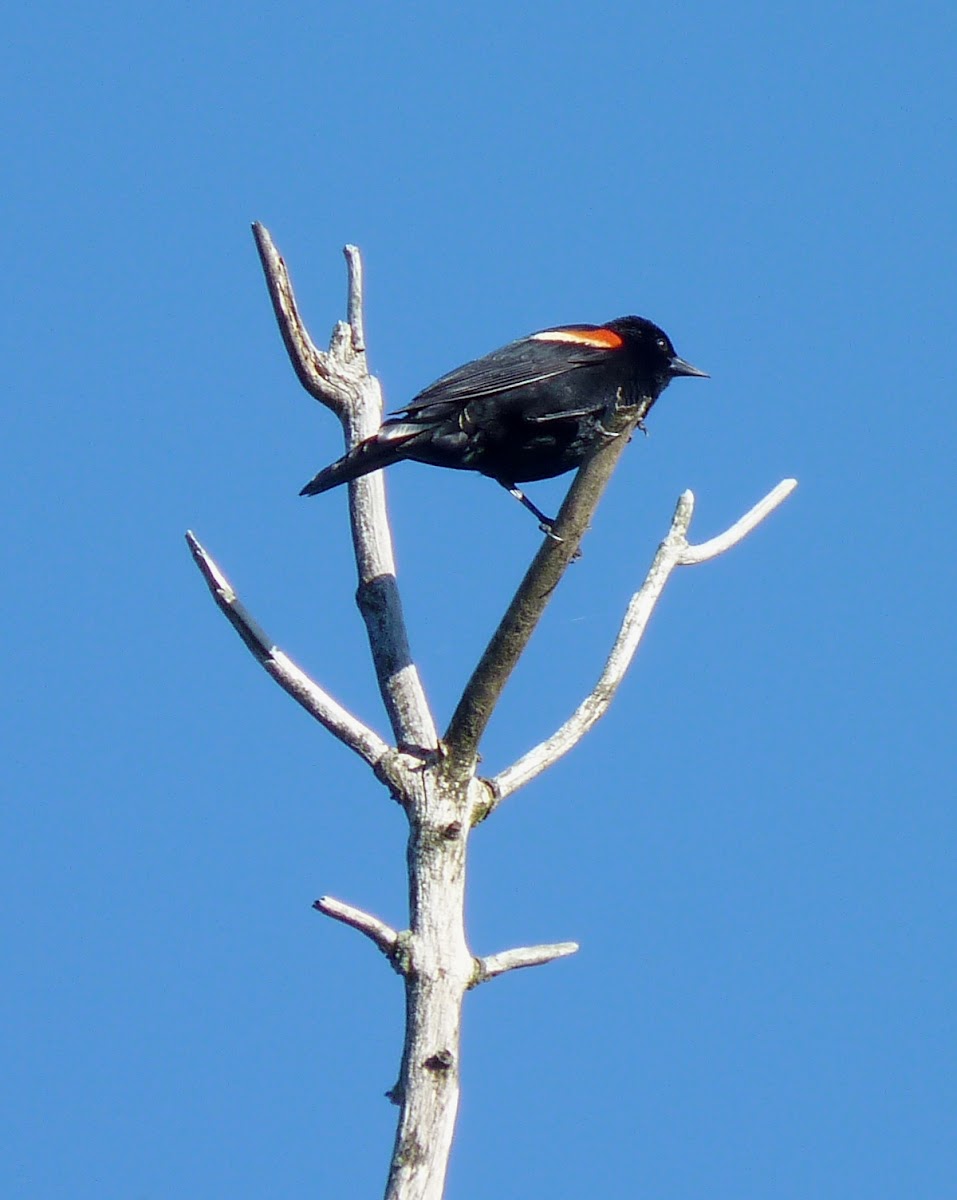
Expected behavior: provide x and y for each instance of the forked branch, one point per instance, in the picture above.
(482, 691)
(339, 378)
(674, 551)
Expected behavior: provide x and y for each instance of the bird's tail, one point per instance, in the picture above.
(375, 452)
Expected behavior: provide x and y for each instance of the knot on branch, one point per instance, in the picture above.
(400, 954)
(440, 1062)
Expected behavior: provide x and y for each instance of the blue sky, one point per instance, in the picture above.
(755, 848)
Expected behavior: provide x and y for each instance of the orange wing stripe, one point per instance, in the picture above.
(605, 338)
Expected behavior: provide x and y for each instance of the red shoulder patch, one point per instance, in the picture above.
(606, 339)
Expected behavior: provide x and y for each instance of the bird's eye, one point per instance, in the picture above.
(661, 344)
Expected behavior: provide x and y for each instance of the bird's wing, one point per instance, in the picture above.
(520, 364)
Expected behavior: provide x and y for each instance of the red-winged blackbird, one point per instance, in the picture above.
(529, 411)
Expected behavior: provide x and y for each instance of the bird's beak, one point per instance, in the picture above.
(678, 366)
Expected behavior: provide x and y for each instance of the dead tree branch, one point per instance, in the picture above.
(482, 691)
(436, 783)
(305, 691)
(674, 551)
(377, 931)
(339, 378)
(524, 956)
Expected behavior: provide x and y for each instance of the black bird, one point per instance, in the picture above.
(531, 410)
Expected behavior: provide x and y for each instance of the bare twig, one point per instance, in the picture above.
(318, 703)
(524, 956)
(674, 551)
(331, 384)
(384, 936)
(550, 563)
(339, 379)
(705, 551)
(356, 316)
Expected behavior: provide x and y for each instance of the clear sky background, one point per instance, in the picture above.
(756, 849)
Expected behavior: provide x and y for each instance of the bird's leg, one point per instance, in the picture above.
(545, 523)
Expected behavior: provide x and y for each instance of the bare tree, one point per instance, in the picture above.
(434, 779)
